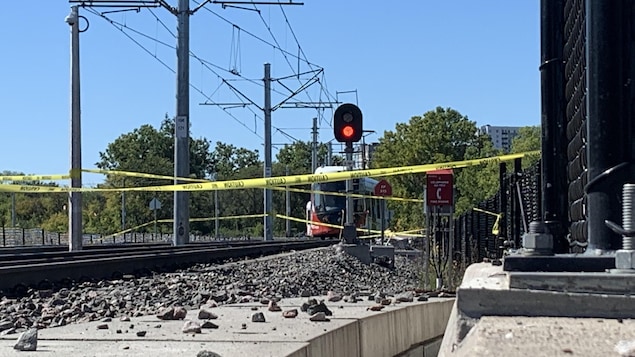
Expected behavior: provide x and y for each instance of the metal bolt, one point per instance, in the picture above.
(625, 257)
(537, 227)
(537, 241)
(628, 215)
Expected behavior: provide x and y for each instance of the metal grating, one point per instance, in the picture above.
(576, 115)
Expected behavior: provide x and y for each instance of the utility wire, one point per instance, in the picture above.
(207, 64)
(121, 28)
(284, 54)
(254, 36)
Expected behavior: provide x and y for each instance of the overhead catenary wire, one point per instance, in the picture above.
(277, 46)
(124, 28)
(206, 63)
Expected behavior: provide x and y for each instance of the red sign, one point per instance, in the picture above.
(383, 188)
(440, 188)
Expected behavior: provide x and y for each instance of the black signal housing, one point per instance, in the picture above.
(347, 123)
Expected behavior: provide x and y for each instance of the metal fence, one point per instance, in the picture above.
(16, 237)
(575, 72)
(517, 203)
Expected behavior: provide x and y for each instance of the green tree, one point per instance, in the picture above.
(31, 210)
(298, 156)
(229, 162)
(440, 135)
(529, 138)
(146, 150)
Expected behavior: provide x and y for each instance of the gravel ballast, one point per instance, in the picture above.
(298, 274)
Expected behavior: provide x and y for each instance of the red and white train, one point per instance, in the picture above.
(331, 209)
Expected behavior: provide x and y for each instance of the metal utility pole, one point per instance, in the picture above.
(329, 153)
(123, 206)
(287, 201)
(75, 198)
(182, 125)
(350, 218)
(314, 146)
(216, 212)
(13, 220)
(267, 109)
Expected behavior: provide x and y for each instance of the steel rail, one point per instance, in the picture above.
(16, 279)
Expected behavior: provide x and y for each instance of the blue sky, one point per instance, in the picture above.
(402, 59)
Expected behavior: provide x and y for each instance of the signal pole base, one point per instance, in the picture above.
(349, 233)
(359, 251)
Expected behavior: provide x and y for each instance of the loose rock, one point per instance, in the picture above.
(319, 316)
(320, 307)
(408, 296)
(376, 308)
(273, 306)
(166, 314)
(5, 325)
(180, 313)
(290, 314)
(27, 341)
(209, 324)
(332, 296)
(258, 317)
(191, 327)
(205, 314)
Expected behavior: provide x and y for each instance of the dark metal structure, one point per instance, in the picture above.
(588, 102)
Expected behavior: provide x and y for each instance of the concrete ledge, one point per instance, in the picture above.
(488, 293)
(352, 331)
(592, 283)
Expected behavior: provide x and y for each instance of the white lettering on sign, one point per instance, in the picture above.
(181, 127)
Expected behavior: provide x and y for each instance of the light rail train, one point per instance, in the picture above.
(331, 209)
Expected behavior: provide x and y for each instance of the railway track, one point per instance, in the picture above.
(45, 270)
(10, 256)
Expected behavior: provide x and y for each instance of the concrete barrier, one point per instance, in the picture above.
(413, 330)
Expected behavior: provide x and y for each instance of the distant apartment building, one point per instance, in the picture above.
(502, 136)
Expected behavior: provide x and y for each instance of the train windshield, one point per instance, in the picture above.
(324, 202)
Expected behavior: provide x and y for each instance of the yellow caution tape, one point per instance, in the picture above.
(355, 195)
(35, 177)
(142, 175)
(34, 189)
(375, 232)
(257, 215)
(280, 180)
(168, 220)
(495, 227)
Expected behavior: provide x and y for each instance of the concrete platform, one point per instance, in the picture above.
(499, 313)
(351, 331)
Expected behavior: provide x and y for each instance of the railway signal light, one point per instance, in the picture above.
(347, 123)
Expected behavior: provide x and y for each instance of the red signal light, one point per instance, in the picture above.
(348, 131)
(347, 123)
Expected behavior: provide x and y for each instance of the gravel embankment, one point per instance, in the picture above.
(306, 273)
